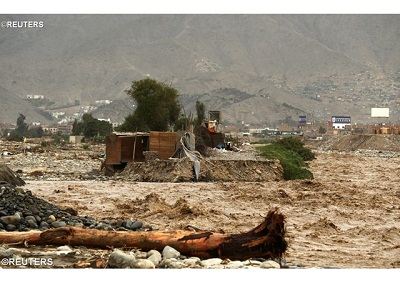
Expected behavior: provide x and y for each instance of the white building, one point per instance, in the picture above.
(106, 120)
(34, 96)
(340, 122)
(103, 102)
(58, 115)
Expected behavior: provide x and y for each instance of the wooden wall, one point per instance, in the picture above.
(164, 143)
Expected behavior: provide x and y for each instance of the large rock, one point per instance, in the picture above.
(143, 264)
(154, 256)
(119, 259)
(11, 219)
(5, 253)
(170, 252)
(8, 176)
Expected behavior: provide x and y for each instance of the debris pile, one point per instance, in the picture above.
(171, 258)
(357, 142)
(48, 163)
(212, 170)
(20, 210)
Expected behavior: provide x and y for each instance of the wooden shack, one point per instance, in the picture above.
(165, 143)
(122, 148)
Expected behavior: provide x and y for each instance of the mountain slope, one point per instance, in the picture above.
(92, 57)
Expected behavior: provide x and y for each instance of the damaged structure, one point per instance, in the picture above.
(214, 129)
(149, 149)
(183, 164)
(124, 148)
(172, 157)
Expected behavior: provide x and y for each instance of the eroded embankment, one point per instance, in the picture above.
(356, 142)
(181, 170)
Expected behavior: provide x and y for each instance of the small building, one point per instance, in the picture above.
(285, 128)
(215, 115)
(302, 121)
(340, 122)
(75, 139)
(65, 129)
(122, 148)
(50, 130)
(34, 96)
(165, 143)
(384, 130)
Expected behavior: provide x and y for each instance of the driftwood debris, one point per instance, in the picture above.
(267, 240)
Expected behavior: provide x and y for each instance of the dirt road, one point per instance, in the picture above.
(346, 217)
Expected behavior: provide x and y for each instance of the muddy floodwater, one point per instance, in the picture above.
(346, 217)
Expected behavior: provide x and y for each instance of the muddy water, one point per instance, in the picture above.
(346, 217)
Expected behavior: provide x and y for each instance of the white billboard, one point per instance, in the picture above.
(379, 112)
(341, 119)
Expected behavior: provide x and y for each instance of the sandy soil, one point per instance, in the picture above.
(346, 217)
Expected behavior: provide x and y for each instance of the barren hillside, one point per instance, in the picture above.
(305, 61)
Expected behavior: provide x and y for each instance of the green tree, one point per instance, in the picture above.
(22, 127)
(157, 109)
(20, 131)
(59, 138)
(201, 112)
(77, 128)
(91, 127)
(183, 123)
(201, 132)
(35, 132)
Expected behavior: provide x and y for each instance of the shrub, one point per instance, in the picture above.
(86, 146)
(296, 145)
(44, 143)
(14, 136)
(291, 155)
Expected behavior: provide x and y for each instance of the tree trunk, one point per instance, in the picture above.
(264, 241)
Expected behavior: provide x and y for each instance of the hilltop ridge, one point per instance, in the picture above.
(319, 65)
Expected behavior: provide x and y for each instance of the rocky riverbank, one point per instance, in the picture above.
(20, 210)
(346, 217)
(81, 257)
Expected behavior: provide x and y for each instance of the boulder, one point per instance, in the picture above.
(8, 176)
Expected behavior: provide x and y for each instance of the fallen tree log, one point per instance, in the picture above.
(267, 240)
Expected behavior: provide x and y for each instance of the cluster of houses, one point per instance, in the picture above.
(338, 125)
(250, 133)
